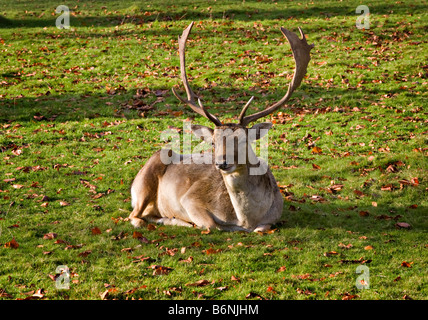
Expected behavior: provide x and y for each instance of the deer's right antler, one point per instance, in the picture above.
(190, 94)
(301, 53)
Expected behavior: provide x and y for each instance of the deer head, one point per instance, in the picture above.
(232, 141)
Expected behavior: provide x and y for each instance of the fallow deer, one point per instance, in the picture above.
(223, 194)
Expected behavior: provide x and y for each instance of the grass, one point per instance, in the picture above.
(82, 109)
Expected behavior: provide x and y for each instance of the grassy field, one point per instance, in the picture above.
(82, 109)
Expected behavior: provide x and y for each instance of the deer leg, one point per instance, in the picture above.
(144, 209)
(196, 209)
(174, 222)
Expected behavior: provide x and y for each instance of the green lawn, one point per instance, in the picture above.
(82, 109)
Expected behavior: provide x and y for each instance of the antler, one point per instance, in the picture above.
(190, 94)
(301, 53)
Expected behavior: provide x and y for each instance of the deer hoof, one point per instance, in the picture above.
(262, 228)
(137, 222)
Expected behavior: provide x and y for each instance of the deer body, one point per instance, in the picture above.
(187, 194)
(236, 190)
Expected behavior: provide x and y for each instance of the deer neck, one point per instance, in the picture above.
(251, 195)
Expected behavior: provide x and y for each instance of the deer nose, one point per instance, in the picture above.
(222, 165)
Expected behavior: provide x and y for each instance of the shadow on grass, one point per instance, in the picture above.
(226, 101)
(249, 11)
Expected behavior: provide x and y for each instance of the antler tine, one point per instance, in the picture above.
(301, 54)
(208, 115)
(190, 94)
(244, 109)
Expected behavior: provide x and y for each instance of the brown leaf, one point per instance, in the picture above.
(151, 227)
(402, 225)
(358, 193)
(211, 251)
(388, 187)
(39, 294)
(254, 295)
(330, 253)
(199, 283)
(12, 244)
(50, 236)
(160, 270)
(347, 296)
(345, 246)
(281, 269)
(364, 213)
(305, 292)
(95, 231)
(85, 253)
(406, 264)
(188, 260)
(316, 150)
(233, 278)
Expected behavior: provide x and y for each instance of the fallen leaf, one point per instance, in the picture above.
(50, 236)
(219, 288)
(151, 227)
(315, 166)
(281, 269)
(345, 246)
(95, 231)
(305, 292)
(160, 270)
(63, 203)
(84, 254)
(347, 296)
(316, 150)
(199, 283)
(364, 213)
(402, 225)
(188, 260)
(358, 193)
(254, 295)
(211, 251)
(270, 289)
(368, 248)
(12, 244)
(39, 294)
(330, 253)
(406, 264)
(233, 278)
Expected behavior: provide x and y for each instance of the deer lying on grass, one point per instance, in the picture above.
(233, 192)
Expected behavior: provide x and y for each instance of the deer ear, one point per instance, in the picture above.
(259, 130)
(202, 132)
